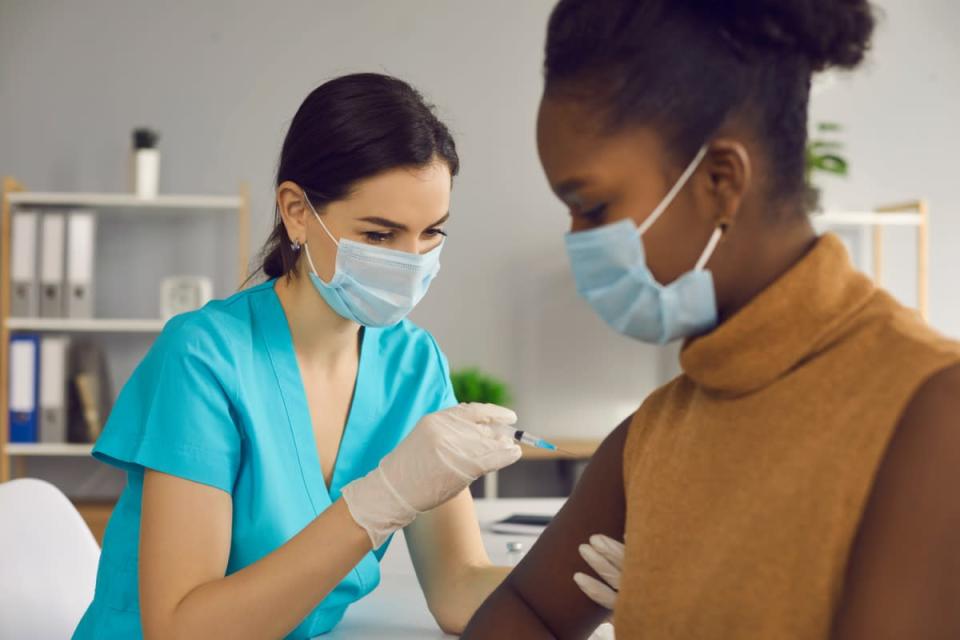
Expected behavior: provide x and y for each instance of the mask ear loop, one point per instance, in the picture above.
(317, 216)
(306, 249)
(668, 199)
(711, 247)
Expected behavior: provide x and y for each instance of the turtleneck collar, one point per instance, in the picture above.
(795, 317)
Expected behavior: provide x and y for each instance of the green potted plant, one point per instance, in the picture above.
(823, 154)
(472, 385)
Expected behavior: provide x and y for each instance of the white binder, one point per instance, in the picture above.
(53, 389)
(23, 265)
(81, 236)
(52, 236)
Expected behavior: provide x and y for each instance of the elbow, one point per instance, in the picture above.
(451, 619)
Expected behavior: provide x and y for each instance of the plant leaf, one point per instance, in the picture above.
(831, 164)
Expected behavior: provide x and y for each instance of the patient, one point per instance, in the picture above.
(796, 481)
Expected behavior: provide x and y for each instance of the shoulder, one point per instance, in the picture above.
(900, 334)
(208, 342)
(218, 327)
(905, 548)
(929, 428)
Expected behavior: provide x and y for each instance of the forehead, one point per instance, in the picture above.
(404, 192)
(575, 146)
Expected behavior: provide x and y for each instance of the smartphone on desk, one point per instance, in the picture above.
(522, 524)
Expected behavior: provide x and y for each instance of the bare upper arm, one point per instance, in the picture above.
(185, 533)
(903, 576)
(542, 584)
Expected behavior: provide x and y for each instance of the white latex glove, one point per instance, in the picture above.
(605, 556)
(443, 454)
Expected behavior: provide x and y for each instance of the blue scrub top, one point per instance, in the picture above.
(219, 400)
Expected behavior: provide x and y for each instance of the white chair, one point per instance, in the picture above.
(48, 562)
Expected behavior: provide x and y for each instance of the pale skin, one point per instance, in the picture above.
(185, 532)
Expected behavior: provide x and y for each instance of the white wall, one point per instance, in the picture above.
(221, 80)
(902, 118)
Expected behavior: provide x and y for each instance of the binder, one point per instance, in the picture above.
(23, 265)
(53, 389)
(52, 236)
(81, 234)
(24, 362)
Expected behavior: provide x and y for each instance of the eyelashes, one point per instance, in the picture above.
(381, 237)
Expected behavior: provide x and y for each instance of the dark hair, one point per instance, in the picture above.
(686, 66)
(348, 129)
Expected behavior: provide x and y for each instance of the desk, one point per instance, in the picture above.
(397, 608)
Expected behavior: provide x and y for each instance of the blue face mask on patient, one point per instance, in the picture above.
(374, 286)
(611, 273)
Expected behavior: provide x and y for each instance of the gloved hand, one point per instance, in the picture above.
(605, 556)
(443, 454)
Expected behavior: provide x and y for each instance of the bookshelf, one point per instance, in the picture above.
(87, 325)
(172, 207)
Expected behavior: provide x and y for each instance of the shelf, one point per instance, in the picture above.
(56, 449)
(874, 218)
(127, 202)
(85, 325)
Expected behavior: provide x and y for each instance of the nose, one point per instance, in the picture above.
(578, 223)
(418, 245)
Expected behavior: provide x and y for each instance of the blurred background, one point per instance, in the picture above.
(220, 81)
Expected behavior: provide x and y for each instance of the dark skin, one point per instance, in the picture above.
(903, 575)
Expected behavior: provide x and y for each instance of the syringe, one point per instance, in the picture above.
(531, 440)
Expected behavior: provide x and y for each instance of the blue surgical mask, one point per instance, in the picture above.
(374, 286)
(610, 269)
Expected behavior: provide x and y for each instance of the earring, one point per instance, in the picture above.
(295, 246)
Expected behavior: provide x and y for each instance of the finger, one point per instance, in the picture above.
(604, 568)
(609, 548)
(499, 458)
(492, 436)
(596, 590)
(486, 413)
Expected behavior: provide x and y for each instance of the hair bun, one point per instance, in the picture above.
(829, 33)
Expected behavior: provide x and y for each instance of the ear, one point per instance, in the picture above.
(294, 210)
(729, 172)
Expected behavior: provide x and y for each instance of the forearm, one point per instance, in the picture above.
(270, 597)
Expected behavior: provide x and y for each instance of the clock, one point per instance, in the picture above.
(179, 294)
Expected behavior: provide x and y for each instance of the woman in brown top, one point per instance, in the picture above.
(796, 481)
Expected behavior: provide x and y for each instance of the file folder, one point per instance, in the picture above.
(81, 234)
(23, 265)
(53, 389)
(24, 362)
(52, 236)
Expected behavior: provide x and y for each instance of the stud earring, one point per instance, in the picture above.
(295, 245)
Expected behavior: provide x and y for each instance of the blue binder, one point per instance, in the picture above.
(24, 396)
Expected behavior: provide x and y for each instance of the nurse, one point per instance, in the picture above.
(274, 441)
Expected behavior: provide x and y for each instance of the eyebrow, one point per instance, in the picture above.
(391, 224)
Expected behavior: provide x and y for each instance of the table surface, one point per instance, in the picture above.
(397, 609)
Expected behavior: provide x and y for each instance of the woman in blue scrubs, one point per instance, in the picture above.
(274, 440)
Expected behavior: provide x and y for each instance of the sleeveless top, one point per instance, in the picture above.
(746, 476)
